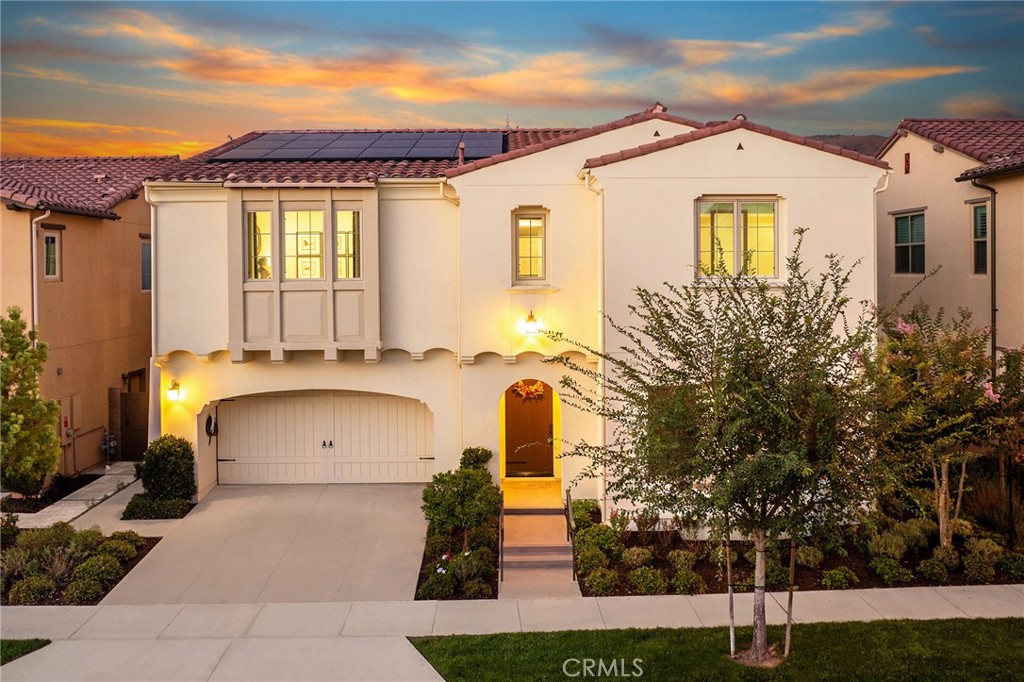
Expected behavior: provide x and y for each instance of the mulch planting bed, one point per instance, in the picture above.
(61, 488)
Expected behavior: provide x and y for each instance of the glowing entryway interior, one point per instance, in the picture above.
(531, 436)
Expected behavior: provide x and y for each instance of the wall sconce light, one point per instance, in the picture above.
(174, 392)
(531, 326)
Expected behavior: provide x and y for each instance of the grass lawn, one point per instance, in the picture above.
(954, 650)
(11, 649)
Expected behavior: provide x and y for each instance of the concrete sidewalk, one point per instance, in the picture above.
(366, 640)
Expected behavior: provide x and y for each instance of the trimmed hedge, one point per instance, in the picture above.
(168, 469)
(141, 506)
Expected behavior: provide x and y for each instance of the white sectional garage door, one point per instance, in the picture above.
(325, 437)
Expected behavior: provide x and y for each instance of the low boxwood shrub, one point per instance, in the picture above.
(981, 559)
(583, 513)
(916, 533)
(603, 538)
(602, 581)
(466, 567)
(484, 536)
(688, 581)
(82, 591)
(648, 580)
(635, 557)
(141, 506)
(102, 568)
(437, 544)
(590, 559)
(948, 556)
(682, 560)
(841, 578)
(1012, 564)
(438, 585)
(86, 542)
(168, 469)
(120, 550)
(32, 590)
(890, 571)
(475, 457)
(478, 589)
(776, 576)
(36, 540)
(809, 556)
(129, 536)
(888, 544)
(933, 570)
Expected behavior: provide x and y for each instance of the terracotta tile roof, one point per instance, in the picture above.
(980, 139)
(718, 129)
(655, 112)
(199, 168)
(85, 185)
(1002, 165)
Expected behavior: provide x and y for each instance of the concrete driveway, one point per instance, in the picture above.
(301, 543)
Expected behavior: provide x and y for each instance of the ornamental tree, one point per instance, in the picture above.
(939, 370)
(29, 447)
(740, 403)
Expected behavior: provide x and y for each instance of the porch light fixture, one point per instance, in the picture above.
(531, 326)
(174, 392)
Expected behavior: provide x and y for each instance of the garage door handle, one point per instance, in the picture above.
(331, 445)
(224, 460)
(430, 458)
(323, 445)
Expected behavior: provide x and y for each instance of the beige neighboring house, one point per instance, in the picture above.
(955, 199)
(75, 254)
(356, 305)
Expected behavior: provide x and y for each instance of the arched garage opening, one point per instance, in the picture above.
(323, 437)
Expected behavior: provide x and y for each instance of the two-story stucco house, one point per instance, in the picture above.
(75, 250)
(956, 199)
(335, 306)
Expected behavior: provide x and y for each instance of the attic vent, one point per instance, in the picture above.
(938, 148)
(739, 147)
(99, 176)
(657, 134)
(739, 117)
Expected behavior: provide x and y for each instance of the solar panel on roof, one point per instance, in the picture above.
(366, 145)
(287, 155)
(281, 137)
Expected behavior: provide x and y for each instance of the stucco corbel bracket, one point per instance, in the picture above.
(277, 354)
(416, 356)
(592, 359)
(508, 359)
(467, 359)
(371, 355)
(330, 353)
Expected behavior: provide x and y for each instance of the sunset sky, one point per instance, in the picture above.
(180, 77)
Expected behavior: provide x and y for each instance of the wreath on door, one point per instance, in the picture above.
(526, 391)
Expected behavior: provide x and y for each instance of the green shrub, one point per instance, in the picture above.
(635, 557)
(461, 500)
(437, 586)
(102, 568)
(716, 555)
(82, 591)
(488, 559)
(32, 590)
(776, 576)
(8, 529)
(933, 570)
(888, 544)
(602, 581)
(484, 536)
(121, 551)
(809, 556)
(603, 538)
(131, 537)
(985, 548)
(477, 457)
(890, 571)
(437, 544)
(841, 578)
(56, 561)
(648, 580)
(582, 513)
(86, 542)
(465, 567)
(963, 528)
(15, 562)
(168, 469)
(590, 559)
(681, 559)
(948, 556)
(688, 581)
(36, 541)
(981, 559)
(141, 506)
(477, 589)
(1012, 564)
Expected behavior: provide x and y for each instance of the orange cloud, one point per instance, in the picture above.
(144, 27)
(980, 105)
(59, 137)
(855, 24)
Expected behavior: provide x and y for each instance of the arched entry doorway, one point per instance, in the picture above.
(531, 430)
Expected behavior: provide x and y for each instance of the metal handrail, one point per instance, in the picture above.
(570, 529)
(501, 537)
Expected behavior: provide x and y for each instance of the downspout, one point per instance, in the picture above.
(874, 236)
(35, 267)
(155, 396)
(603, 439)
(992, 272)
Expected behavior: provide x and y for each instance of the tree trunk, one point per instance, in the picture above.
(942, 506)
(759, 647)
(789, 607)
(728, 579)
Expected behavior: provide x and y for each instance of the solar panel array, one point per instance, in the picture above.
(365, 145)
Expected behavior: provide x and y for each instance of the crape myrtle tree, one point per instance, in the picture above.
(739, 403)
(29, 447)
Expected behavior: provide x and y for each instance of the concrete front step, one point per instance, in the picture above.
(539, 563)
(532, 550)
(534, 511)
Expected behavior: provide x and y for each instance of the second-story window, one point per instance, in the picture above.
(980, 215)
(909, 255)
(261, 252)
(737, 235)
(348, 246)
(303, 244)
(51, 256)
(530, 248)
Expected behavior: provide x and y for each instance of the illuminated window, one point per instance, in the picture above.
(303, 244)
(910, 244)
(51, 256)
(980, 223)
(738, 235)
(261, 253)
(348, 247)
(529, 246)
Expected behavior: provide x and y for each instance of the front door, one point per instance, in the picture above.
(529, 429)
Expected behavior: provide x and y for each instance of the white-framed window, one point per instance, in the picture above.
(303, 244)
(146, 262)
(347, 244)
(51, 256)
(909, 239)
(529, 225)
(738, 235)
(979, 233)
(260, 253)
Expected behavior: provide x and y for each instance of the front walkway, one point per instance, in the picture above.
(366, 640)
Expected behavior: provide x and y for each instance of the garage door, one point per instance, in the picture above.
(324, 438)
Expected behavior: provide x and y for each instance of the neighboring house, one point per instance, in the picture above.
(74, 242)
(337, 306)
(939, 210)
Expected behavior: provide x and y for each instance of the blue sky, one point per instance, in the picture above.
(159, 77)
